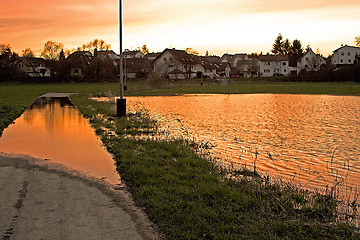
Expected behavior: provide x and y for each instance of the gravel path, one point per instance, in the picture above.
(43, 200)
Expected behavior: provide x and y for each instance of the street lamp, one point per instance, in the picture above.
(121, 102)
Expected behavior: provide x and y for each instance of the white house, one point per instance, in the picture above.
(107, 54)
(178, 64)
(274, 65)
(152, 56)
(345, 55)
(132, 54)
(224, 69)
(310, 62)
(33, 67)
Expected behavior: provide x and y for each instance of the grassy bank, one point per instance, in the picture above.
(190, 197)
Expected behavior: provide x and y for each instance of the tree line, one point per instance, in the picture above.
(52, 50)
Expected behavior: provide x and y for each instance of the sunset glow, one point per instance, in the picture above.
(218, 26)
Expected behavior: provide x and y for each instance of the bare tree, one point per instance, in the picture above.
(357, 41)
(96, 44)
(27, 52)
(192, 51)
(51, 50)
(5, 49)
(144, 50)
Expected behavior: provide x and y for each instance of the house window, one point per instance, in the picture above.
(266, 70)
(342, 54)
(170, 59)
(348, 53)
(76, 71)
(171, 66)
(268, 63)
(284, 70)
(341, 60)
(284, 63)
(306, 66)
(165, 59)
(349, 60)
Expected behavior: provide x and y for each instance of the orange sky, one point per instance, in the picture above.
(218, 26)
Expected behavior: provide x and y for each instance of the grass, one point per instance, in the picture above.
(245, 87)
(186, 195)
(190, 197)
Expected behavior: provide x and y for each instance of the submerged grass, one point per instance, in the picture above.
(190, 197)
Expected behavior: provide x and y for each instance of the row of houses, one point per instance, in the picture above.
(178, 64)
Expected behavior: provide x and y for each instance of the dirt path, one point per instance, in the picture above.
(42, 200)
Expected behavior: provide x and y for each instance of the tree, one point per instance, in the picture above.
(144, 50)
(357, 41)
(96, 44)
(192, 51)
(8, 70)
(27, 52)
(296, 52)
(278, 45)
(297, 48)
(286, 47)
(51, 50)
(5, 49)
(308, 48)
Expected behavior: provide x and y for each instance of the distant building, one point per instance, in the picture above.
(242, 65)
(107, 54)
(33, 67)
(178, 64)
(132, 54)
(152, 56)
(345, 55)
(310, 62)
(80, 63)
(274, 65)
(224, 69)
(137, 68)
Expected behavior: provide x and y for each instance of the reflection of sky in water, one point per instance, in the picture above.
(54, 129)
(300, 132)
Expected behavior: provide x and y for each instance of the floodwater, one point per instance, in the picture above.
(53, 129)
(313, 140)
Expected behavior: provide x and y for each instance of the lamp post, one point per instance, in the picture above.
(121, 102)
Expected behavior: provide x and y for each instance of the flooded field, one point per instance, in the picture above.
(53, 129)
(313, 140)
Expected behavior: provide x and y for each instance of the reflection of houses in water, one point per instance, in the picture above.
(42, 101)
(54, 129)
(49, 109)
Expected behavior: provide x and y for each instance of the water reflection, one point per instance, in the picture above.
(53, 128)
(311, 139)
